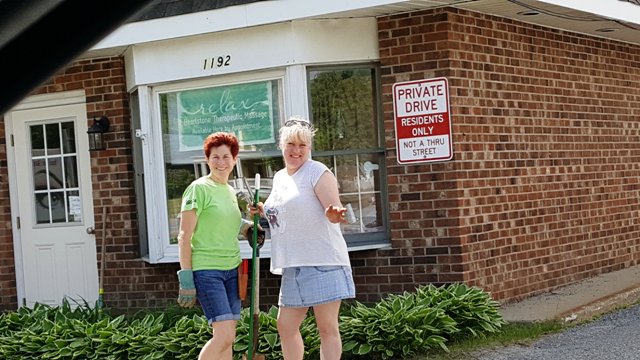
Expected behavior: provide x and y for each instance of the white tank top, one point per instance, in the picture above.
(301, 234)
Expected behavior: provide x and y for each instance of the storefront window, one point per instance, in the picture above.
(342, 104)
(251, 110)
(344, 109)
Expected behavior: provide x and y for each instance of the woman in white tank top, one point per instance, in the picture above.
(307, 246)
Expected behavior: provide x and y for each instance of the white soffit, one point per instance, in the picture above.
(623, 10)
(255, 14)
(620, 18)
(565, 15)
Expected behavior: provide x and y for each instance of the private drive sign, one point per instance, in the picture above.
(422, 121)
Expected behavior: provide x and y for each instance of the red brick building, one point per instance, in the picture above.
(543, 188)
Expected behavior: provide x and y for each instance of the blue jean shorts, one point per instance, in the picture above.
(307, 286)
(217, 292)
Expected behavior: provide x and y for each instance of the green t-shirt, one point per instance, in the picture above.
(214, 244)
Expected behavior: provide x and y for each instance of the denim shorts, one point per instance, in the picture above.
(217, 292)
(314, 285)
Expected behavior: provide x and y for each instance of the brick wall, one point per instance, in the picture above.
(543, 189)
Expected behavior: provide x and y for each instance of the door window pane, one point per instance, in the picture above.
(56, 179)
(52, 132)
(68, 138)
(42, 208)
(57, 206)
(55, 173)
(71, 171)
(37, 140)
(74, 210)
(40, 177)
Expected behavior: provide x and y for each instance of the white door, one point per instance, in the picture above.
(55, 204)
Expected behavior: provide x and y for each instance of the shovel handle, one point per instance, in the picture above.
(254, 319)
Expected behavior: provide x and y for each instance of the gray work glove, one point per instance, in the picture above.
(187, 293)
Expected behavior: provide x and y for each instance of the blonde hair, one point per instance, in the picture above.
(296, 129)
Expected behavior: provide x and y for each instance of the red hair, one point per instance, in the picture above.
(221, 138)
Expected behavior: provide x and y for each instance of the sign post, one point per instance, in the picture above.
(422, 121)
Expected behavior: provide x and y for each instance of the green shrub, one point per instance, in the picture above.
(401, 326)
(398, 326)
(473, 310)
(395, 327)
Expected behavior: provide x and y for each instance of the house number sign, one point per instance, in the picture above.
(216, 62)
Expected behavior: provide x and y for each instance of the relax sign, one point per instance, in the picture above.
(243, 109)
(422, 121)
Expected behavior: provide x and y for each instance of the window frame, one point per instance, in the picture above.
(373, 240)
(294, 100)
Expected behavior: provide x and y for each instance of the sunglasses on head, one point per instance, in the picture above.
(292, 122)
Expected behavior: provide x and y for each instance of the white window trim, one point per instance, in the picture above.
(155, 204)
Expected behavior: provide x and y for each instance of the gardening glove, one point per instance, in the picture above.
(187, 293)
(261, 236)
(245, 226)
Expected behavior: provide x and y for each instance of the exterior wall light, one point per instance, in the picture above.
(99, 127)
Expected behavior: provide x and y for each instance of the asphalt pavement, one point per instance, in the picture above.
(604, 309)
(614, 336)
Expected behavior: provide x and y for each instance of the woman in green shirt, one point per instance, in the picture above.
(208, 246)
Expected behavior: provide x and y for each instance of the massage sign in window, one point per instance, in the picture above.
(249, 110)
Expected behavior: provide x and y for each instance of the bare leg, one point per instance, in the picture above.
(327, 321)
(289, 320)
(220, 347)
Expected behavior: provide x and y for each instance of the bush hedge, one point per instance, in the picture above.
(397, 327)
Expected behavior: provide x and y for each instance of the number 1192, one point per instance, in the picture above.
(217, 61)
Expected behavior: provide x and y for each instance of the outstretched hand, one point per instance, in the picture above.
(335, 214)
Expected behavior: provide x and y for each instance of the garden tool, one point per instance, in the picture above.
(100, 303)
(254, 308)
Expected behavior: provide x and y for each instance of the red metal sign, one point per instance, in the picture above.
(422, 121)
